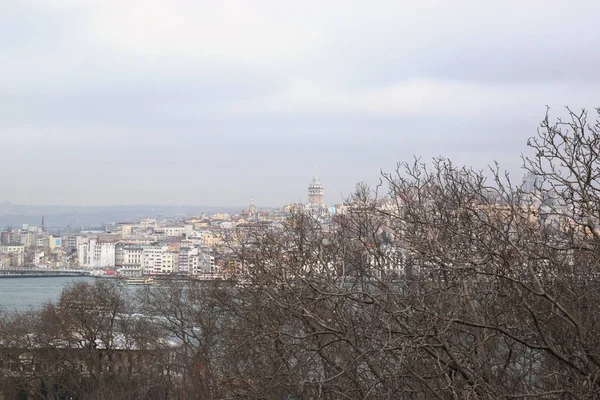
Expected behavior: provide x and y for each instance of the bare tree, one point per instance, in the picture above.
(443, 282)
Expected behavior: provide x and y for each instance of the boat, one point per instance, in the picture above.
(139, 281)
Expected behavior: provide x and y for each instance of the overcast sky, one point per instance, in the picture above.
(218, 102)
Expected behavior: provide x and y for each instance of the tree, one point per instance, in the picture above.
(443, 282)
(496, 292)
(90, 345)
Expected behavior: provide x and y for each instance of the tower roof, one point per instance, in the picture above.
(316, 178)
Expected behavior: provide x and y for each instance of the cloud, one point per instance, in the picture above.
(350, 42)
(218, 88)
(421, 97)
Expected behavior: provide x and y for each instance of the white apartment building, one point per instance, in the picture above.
(170, 262)
(128, 255)
(188, 229)
(202, 263)
(128, 258)
(82, 254)
(185, 258)
(38, 257)
(94, 254)
(156, 260)
(4, 261)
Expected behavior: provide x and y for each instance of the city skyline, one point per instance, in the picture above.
(306, 199)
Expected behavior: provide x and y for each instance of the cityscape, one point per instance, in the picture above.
(200, 246)
(299, 200)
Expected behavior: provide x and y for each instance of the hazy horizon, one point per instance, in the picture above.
(186, 102)
(3, 202)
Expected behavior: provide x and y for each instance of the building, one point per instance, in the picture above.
(10, 248)
(252, 214)
(96, 254)
(15, 253)
(157, 260)
(51, 242)
(129, 259)
(185, 260)
(28, 239)
(173, 231)
(170, 263)
(39, 258)
(531, 183)
(39, 241)
(15, 236)
(5, 236)
(126, 228)
(209, 238)
(71, 242)
(532, 191)
(148, 223)
(203, 263)
(315, 191)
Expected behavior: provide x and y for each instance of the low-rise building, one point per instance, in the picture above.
(171, 231)
(15, 252)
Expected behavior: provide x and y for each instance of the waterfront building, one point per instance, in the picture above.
(202, 263)
(96, 254)
(39, 258)
(170, 262)
(4, 261)
(158, 260)
(185, 260)
(128, 258)
(15, 253)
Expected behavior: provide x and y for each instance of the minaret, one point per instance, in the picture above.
(315, 191)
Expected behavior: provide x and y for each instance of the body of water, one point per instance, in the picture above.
(22, 294)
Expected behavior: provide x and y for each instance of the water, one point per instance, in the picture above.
(23, 294)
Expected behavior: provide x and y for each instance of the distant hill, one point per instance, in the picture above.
(87, 216)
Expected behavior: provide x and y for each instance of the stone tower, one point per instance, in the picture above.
(315, 191)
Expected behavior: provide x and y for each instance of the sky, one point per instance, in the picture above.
(220, 102)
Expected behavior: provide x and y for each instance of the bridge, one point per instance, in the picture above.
(41, 273)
